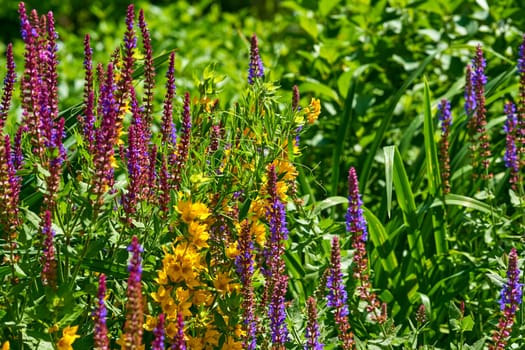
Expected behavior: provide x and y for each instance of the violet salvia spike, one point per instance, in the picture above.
(164, 186)
(510, 300)
(130, 44)
(88, 120)
(312, 327)
(149, 70)
(48, 259)
(276, 278)
(9, 83)
(179, 343)
(50, 73)
(355, 220)
(337, 296)
(184, 144)
(100, 332)
(9, 192)
(520, 137)
(159, 334)
(133, 327)
(511, 158)
(244, 265)
(256, 69)
(168, 130)
(295, 98)
(444, 157)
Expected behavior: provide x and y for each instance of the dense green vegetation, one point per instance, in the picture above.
(379, 69)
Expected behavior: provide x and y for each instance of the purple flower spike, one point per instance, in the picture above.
(9, 83)
(88, 121)
(256, 69)
(179, 343)
(49, 263)
(244, 263)
(312, 327)
(169, 132)
(149, 69)
(511, 150)
(337, 296)
(511, 298)
(446, 121)
(355, 220)
(184, 144)
(132, 336)
(100, 335)
(158, 332)
(520, 134)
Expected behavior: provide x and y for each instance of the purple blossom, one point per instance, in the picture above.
(158, 332)
(88, 121)
(355, 220)
(511, 298)
(256, 69)
(134, 307)
(312, 327)
(49, 263)
(446, 122)
(470, 98)
(184, 145)
(9, 193)
(337, 296)
(511, 150)
(100, 332)
(244, 263)
(9, 83)
(149, 69)
(178, 342)
(169, 132)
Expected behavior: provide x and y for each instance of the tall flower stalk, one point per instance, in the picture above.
(511, 158)
(444, 156)
(312, 327)
(100, 333)
(256, 69)
(510, 300)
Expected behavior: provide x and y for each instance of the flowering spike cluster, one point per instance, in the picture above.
(149, 69)
(520, 134)
(184, 145)
(312, 327)
(164, 185)
(511, 151)
(446, 121)
(158, 332)
(9, 83)
(511, 298)
(479, 147)
(276, 278)
(337, 296)
(100, 333)
(9, 192)
(356, 225)
(256, 69)
(179, 343)
(49, 263)
(169, 132)
(138, 158)
(106, 135)
(244, 263)
(130, 43)
(88, 120)
(132, 337)
(295, 98)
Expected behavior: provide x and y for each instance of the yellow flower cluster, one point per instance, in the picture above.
(313, 110)
(69, 335)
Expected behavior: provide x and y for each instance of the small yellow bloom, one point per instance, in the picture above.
(199, 234)
(5, 346)
(69, 335)
(232, 344)
(151, 323)
(192, 211)
(222, 282)
(232, 250)
(313, 110)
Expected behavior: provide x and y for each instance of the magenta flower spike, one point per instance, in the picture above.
(168, 130)
(9, 83)
(149, 70)
(100, 332)
(520, 133)
(88, 120)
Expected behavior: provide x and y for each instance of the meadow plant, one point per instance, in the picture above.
(141, 217)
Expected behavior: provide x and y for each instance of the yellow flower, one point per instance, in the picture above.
(222, 282)
(192, 211)
(211, 337)
(285, 169)
(151, 323)
(202, 297)
(69, 335)
(232, 250)
(232, 344)
(313, 110)
(5, 346)
(199, 234)
(259, 231)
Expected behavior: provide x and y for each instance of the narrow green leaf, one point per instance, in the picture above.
(433, 174)
(389, 170)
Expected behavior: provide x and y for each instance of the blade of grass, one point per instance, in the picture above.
(389, 170)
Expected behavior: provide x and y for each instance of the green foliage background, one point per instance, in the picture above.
(379, 68)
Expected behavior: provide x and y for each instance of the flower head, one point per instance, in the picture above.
(256, 69)
(69, 335)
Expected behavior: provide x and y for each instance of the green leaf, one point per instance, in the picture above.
(433, 174)
(389, 170)
(382, 244)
